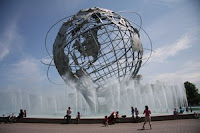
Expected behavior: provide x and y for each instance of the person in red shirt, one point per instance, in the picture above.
(147, 113)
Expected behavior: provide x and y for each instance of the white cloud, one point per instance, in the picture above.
(162, 53)
(3, 52)
(48, 61)
(27, 68)
(162, 67)
(30, 73)
(189, 72)
(29, 76)
(10, 40)
(168, 3)
(26, 73)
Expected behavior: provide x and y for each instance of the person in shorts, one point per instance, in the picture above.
(147, 113)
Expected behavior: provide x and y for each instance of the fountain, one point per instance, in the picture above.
(160, 97)
(98, 54)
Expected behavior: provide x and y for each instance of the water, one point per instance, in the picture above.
(160, 97)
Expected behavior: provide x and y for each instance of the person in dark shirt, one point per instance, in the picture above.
(21, 114)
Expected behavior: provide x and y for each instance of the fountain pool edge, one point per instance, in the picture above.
(100, 120)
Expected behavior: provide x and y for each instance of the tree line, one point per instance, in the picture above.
(192, 93)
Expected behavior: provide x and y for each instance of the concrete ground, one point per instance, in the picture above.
(170, 126)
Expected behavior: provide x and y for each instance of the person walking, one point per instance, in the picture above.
(147, 113)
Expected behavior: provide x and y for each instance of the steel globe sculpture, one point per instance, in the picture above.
(99, 44)
(98, 52)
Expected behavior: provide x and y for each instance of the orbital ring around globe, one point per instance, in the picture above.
(99, 44)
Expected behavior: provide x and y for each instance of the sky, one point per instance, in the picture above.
(173, 26)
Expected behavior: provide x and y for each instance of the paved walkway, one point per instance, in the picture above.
(171, 126)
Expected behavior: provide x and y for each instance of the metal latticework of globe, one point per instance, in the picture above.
(97, 43)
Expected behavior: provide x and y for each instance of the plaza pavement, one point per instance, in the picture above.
(169, 126)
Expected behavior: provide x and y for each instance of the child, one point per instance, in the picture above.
(175, 112)
(106, 121)
(78, 117)
(117, 117)
(136, 113)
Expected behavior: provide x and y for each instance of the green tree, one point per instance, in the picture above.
(192, 93)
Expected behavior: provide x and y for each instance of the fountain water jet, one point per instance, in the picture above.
(160, 97)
